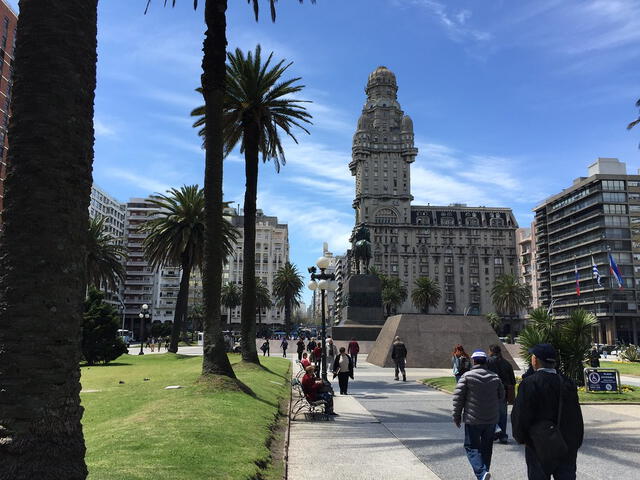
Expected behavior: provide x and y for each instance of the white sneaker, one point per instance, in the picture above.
(486, 476)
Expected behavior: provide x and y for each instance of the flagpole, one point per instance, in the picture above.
(613, 305)
(575, 265)
(593, 290)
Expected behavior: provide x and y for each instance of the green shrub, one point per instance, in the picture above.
(100, 323)
(629, 353)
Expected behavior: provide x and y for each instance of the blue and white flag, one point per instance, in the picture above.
(615, 271)
(596, 273)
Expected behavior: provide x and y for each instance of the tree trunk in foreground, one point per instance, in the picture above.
(248, 313)
(181, 304)
(44, 245)
(214, 358)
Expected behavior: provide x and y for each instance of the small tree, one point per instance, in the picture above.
(100, 323)
(495, 321)
(263, 298)
(231, 297)
(426, 294)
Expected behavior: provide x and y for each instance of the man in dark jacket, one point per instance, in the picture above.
(476, 403)
(538, 400)
(399, 355)
(498, 365)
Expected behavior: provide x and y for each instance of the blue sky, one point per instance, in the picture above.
(510, 100)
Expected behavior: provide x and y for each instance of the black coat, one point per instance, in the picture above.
(311, 345)
(336, 365)
(398, 351)
(300, 345)
(498, 365)
(538, 399)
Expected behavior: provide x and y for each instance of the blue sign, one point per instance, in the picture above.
(601, 380)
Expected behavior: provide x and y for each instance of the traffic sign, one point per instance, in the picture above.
(602, 380)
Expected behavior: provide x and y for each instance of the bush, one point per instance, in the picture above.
(100, 323)
(629, 353)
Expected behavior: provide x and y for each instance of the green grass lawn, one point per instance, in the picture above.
(625, 368)
(449, 383)
(139, 430)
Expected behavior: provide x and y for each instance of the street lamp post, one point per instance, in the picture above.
(144, 315)
(325, 281)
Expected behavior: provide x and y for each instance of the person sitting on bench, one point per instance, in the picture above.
(313, 390)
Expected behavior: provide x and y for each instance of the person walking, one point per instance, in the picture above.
(548, 402)
(300, 348)
(460, 362)
(332, 351)
(594, 358)
(399, 356)
(284, 345)
(265, 348)
(353, 349)
(311, 345)
(476, 402)
(501, 367)
(343, 368)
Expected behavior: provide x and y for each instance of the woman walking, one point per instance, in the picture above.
(343, 368)
(460, 361)
(300, 346)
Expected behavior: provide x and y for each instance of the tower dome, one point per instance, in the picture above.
(382, 82)
(407, 124)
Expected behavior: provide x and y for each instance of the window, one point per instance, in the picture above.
(386, 215)
(496, 222)
(614, 197)
(497, 261)
(613, 185)
(615, 209)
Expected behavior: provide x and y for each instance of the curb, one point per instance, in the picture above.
(285, 458)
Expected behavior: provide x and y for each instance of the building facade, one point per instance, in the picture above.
(526, 249)
(272, 252)
(463, 248)
(9, 22)
(579, 227)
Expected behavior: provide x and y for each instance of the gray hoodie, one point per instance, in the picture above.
(477, 397)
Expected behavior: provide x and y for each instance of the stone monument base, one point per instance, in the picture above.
(361, 333)
(430, 339)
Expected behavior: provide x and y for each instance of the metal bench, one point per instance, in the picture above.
(301, 403)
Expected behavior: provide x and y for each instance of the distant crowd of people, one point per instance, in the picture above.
(155, 343)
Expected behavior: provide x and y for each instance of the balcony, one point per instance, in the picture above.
(574, 220)
(577, 231)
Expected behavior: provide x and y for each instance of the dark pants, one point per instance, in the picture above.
(284, 352)
(458, 377)
(327, 397)
(300, 356)
(343, 381)
(478, 443)
(502, 422)
(354, 359)
(400, 366)
(565, 469)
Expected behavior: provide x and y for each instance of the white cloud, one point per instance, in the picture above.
(143, 182)
(102, 129)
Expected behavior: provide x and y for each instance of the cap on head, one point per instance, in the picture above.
(479, 354)
(397, 339)
(544, 351)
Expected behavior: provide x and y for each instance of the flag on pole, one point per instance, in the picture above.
(577, 280)
(596, 273)
(615, 271)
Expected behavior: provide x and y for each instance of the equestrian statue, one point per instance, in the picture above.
(361, 248)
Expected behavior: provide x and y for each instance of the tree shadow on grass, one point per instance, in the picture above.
(111, 364)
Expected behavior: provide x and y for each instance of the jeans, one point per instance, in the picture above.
(327, 397)
(354, 358)
(284, 352)
(565, 469)
(343, 381)
(478, 443)
(400, 366)
(502, 422)
(300, 356)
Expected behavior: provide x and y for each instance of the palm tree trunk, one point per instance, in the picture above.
(44, 244)
(181, 304)
(287, 316)
(248, 318)
(214, 358)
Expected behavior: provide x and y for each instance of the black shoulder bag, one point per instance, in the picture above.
(547, 438)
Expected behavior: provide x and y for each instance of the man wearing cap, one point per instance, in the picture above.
(476, 403)
(399, 355)
(538, 401)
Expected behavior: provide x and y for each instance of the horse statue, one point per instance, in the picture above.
(362, 248)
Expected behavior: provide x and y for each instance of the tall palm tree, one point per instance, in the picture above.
(394, 293)
(426, 294)
(175, 236)
(287, 288)
(636, 121)
(263, 298)
(257, 105)
(43, 248)
(104, 257)
(214, 358)
(231, 297)
(509, 296)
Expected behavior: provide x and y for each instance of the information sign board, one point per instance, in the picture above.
(602, 380)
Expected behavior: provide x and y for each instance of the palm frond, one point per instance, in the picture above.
(105, 257)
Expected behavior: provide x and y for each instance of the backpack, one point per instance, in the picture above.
(465, 365)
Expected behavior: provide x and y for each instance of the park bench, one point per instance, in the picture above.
(300, 402)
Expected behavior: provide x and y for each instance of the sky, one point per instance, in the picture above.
(510, 100)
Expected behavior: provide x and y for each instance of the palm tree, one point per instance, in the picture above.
(263, 298)
(510, 296)
(43, 248)
(104, 257)
(394, 293)
(494, 321)
(214, 358)
(176, 237)
(636, 121)
(231, 297)
(257, 105)
(287, 288)
(426, 294)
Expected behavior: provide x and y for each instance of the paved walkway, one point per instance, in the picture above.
(395, 430)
